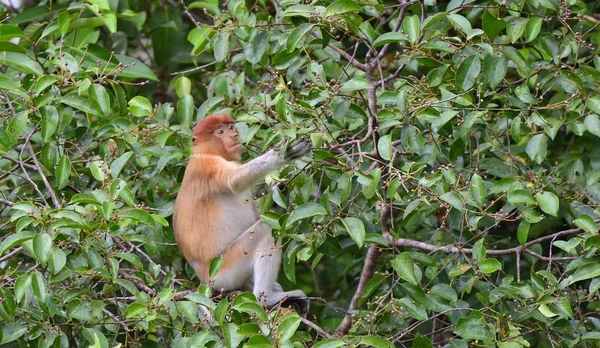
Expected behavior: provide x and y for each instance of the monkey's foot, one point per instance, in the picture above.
(302, 304)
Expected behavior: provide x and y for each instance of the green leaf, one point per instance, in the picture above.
(516, 57)
(356, 230)
(215, 266)
(14, 239)
(478, 189)
(548, 202)
(412, 28)
(138, 215)
(342, 6)
(64, 19)
(49, 122)
(494, 69)
(588, 271)
(489, 266)
(221, 46)
(593, 104)
(57, 260)
(63, 172)
(405, 267)
(11, 332)
(537, 148)
(385, 147)
(183, 86)
(387, 38)
(38, 284)
(117, 165)
(355, 84)
(520, 196)
(523, 232)
(22, 284)
(532, 29)
(376, 341)
(492, 25)
(586, 223)
(546, 311)
(21, 62)
(288, 326)
(96, 170)
(413, 309)
(297, 35)
(135, 309)
(474, 327)
(185, 110)
(461, 22)
(305, 211)
(16, 125)
(100, 95)
(467, 72)
(42, 243)
(87, 105)
(454, 199)
(592, 124)
(330, 343)
(140, 106)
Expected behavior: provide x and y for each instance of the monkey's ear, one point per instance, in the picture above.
(194, 140)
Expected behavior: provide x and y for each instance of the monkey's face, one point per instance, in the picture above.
(227, 135)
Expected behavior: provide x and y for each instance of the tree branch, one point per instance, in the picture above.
(315, 327)
(366, 274)
(43, 176)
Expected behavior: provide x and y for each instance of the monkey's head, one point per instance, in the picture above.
(217, 135)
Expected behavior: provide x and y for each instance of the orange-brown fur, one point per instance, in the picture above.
(215, 215)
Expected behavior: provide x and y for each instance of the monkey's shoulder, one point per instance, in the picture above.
(208, 165)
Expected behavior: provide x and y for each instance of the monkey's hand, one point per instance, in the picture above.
(297, 149)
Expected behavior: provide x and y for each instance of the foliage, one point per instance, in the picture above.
(451, 199)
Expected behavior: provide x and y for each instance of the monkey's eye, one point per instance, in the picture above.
(220, 131)
(231, 126)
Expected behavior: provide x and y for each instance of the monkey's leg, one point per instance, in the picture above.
(266, 268)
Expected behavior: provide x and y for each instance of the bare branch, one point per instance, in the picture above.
(366, 274)
(22, 164)
(453, 249)
(315, 327)
(137, 282)
(6, 202)
(11, 254)
(44, 179)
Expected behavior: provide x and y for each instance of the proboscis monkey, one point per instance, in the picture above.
(215, 215)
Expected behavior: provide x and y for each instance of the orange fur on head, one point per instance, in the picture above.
(206, 141)
(208, 124)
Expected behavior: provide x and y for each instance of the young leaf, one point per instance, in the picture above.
(548, 202)
(305, 211)
(405, 267)
(342, 6)
(356, 230)
(467, 72)
(63, 171)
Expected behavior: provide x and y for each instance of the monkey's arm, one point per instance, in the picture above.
(243, 176)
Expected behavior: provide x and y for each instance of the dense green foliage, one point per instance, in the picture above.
(452, 197)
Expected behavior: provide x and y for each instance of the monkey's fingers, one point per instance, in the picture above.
(302, 305)
(298, 149)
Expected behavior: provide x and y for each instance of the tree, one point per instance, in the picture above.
(451, 199)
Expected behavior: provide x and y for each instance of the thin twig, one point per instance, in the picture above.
(6, 202)
(366, 274)
(138, 283)
(117, 320)
(22, 164)
(11, 254)
(43, 176)
(315, 327)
